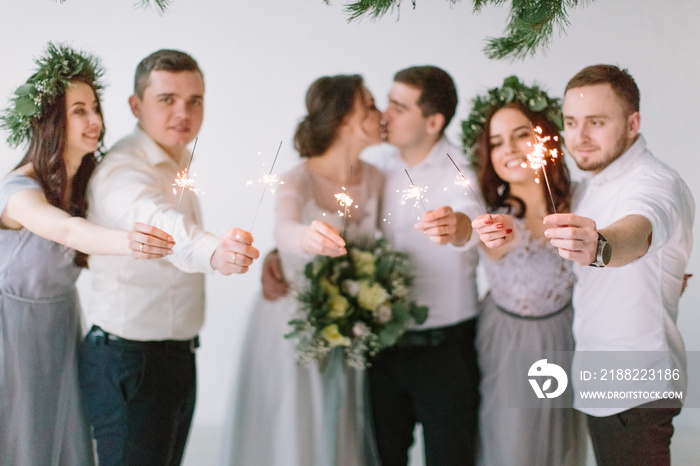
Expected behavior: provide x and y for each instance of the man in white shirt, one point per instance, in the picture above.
(431, 377)
(137, 364)
(633, 224)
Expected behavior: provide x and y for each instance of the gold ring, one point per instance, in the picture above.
(141, 247)
(234, 257)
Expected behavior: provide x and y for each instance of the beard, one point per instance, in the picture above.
(596, 165)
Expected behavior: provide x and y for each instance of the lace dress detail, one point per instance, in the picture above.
(532, 280)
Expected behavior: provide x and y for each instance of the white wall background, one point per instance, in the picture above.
(259, 56)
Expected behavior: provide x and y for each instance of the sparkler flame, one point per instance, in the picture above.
(345, 201)
(267, 180)
(185, 183)
(414, 192)
(537, 158)
(462, 181)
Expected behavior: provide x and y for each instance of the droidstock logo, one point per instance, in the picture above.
(544, 370)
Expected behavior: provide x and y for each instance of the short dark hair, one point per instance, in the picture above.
(438, 91)
(328, 101)
(621, 82)
(162, 60)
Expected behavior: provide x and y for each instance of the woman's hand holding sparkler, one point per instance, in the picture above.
(494, 230)
(149, 242)
(445, 226)
(235, 252)
(321, 238)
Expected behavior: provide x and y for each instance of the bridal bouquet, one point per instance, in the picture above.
(359, 301)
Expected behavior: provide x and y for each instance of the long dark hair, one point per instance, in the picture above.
(45, 153)
(496, 192)
(328, 101)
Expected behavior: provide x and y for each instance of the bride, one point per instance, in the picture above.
(277, 410)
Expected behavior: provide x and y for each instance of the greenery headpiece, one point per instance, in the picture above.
(55, 70)
(531, 97)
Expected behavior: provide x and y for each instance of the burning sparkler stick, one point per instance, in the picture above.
(414, 192)
(183, 181)
(537, 158)
(463, 181)
(345, 202)
(266, 180)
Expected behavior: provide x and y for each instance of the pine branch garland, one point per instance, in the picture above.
(162, 5)
(529, 29)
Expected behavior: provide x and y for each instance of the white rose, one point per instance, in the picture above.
(382, 314)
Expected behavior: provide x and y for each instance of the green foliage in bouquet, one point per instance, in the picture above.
(359, 301)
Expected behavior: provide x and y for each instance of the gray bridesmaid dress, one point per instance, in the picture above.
(41, 418)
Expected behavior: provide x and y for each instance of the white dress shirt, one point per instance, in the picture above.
(148, 299)
(445, 276)
(634, 308)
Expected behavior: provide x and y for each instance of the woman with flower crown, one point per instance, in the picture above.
(278, 414)
(528, 308)
(44, 240)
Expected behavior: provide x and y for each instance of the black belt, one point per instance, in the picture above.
(534, 317)
(96, 334)
(437, 336)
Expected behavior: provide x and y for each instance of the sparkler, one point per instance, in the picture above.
(537, 158)
(268, 179)
(414, 192)
(464, 182)
(345, 202)
(183, 181)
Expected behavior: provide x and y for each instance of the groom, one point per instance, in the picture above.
(431, 377)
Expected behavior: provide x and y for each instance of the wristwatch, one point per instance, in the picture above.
(603, 253)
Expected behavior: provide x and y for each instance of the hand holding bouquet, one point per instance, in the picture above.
(359, 301)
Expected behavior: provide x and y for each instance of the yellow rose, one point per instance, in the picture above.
(338, 306)
(332, 335)
(364, 262)
(328, 287)
(371, 296)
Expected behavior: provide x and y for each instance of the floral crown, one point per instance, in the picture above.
(532, 97)
(55, 69)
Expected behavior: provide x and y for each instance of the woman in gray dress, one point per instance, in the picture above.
(44, 240)
(527, 314)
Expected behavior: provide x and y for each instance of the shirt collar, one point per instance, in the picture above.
(622, 164)
(156, 155)
(439, 151)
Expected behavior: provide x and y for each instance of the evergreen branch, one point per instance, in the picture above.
(373, 8)
(162, 5)
(530, 24)
(530, 27)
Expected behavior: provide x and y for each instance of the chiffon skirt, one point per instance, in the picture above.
(511, 435)
(277, 409)
(41, 417)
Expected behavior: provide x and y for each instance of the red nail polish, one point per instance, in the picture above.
(499, 226)
(509, 231)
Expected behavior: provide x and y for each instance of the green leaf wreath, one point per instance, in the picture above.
(359, 301)
(56, 68)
